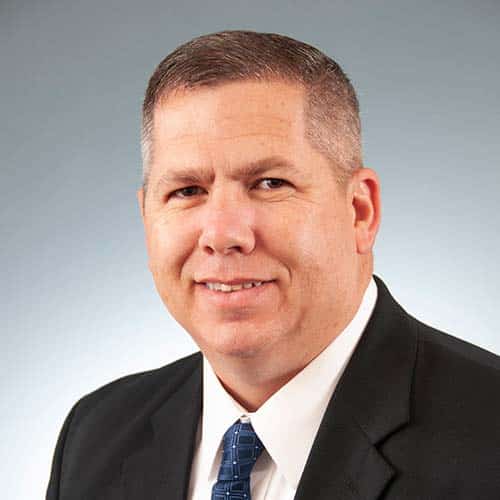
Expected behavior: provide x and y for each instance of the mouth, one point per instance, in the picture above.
(253, 295)
(234, 286)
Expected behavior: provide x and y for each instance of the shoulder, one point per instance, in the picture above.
(449, 445)
(106, 424)
(455, 388)
(451, 359)
(443, 366)
(134, 396)
(452, 439)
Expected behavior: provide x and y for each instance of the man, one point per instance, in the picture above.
(312, 382)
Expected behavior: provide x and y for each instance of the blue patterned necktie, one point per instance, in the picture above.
(241, 448)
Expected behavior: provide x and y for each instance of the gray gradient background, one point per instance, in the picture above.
(78, 302)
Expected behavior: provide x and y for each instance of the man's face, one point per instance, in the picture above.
(286, 224)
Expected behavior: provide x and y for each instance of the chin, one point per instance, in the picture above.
(236, 342)
(239, 348)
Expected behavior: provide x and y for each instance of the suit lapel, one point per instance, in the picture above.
(161, 469)
(371, 402)
(343, 464)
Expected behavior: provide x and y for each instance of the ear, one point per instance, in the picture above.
(366, 208)
(140, 200)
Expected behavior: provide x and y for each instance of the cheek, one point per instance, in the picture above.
(168, 243)
(317, 245)
(305, 233)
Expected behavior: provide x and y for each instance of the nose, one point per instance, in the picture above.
(227, 226)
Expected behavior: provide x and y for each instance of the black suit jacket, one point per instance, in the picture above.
(416, 415)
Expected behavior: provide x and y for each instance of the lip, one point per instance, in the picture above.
(234, 281)
(246, 297)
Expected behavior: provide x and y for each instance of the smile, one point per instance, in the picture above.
(222, 287)
(248, 294)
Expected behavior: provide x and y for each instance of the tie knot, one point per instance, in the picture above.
(241, 448)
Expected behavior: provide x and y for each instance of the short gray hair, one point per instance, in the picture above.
(331, 110)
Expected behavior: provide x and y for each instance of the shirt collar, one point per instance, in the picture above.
(285, 409)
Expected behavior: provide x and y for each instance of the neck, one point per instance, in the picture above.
(250, 396)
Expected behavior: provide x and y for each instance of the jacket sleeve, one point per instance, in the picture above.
(58, 459)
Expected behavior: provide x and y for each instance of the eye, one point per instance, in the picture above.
(190, 191)
(273, 182)
(185, 192)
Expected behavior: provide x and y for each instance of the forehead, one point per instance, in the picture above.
(239, 114)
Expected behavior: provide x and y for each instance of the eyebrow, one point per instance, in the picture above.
(193, 175)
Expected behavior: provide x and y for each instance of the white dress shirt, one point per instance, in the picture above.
(286, 423)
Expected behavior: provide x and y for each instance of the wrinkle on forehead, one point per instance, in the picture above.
(190, 138)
